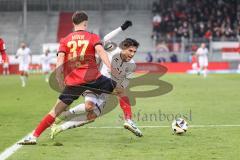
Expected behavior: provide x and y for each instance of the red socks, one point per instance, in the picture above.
(43, 125)
(126, 107)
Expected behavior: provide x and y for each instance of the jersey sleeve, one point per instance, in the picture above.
(62, 46)
(112, 34)
(96, 40)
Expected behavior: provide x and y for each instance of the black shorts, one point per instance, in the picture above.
(101, 85)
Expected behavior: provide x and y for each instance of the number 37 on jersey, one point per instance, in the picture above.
(77, 49)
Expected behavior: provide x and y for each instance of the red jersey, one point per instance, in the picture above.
(2, 51)
(79, 61)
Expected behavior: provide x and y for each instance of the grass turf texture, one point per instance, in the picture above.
(214, 100)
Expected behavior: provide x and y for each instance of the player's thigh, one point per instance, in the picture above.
(71, 93)
(25, 67)
(92, 97)
(98, 101)
(91, 100)
(21, 67)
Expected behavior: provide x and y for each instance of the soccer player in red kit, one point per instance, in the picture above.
(76, 62)
(4, 57)
(194, 62)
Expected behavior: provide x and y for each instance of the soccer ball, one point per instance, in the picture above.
(179, 126)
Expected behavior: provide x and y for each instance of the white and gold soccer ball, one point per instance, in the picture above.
(179, 126)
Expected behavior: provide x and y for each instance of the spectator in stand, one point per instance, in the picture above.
(238, 29)
(228, 32)
(161, 60)
(157, 19)
(208, 34)
(199, 19)
(162, 51)
(149, 57)
(155, 7)
(174, 58)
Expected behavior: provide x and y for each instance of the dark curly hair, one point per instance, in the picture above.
(128, 42)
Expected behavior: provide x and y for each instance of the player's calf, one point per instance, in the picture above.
(59, 107)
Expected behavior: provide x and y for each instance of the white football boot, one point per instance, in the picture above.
(29, 140)
(129, 125)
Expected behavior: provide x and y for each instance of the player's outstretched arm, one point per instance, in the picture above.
(116, 31)
(112, 34)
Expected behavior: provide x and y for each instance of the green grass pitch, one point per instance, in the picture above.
(211, 101)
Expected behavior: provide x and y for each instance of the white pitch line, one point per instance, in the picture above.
(191, 126)
(13, 149)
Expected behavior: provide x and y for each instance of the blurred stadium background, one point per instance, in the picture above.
(168, 30)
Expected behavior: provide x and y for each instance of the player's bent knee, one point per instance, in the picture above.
(89, 106)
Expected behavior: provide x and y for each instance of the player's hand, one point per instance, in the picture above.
(126, 24)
